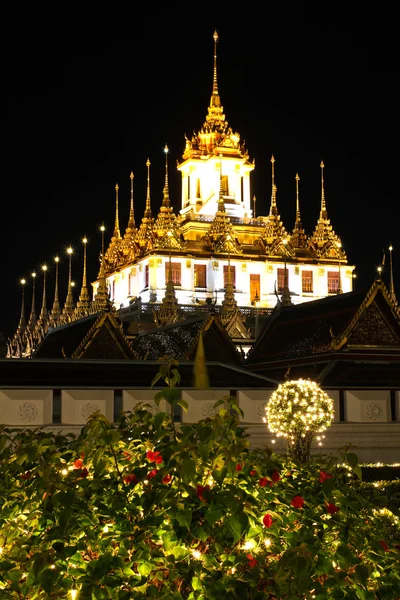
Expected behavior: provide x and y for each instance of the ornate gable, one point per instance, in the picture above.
(104, 340)
(373, 329)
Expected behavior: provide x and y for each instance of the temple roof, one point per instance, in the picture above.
(361, 320)
(180, 339)
(95, 336)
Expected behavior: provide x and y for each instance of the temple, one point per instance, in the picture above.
(215, 255)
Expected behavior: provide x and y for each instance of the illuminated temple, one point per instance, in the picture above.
(214, 255)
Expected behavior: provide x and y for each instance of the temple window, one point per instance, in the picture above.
(307, 281)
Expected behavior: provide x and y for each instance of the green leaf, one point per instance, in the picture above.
(184, 517)
(145, 568)
(362, 573)
(237, 524)
(352, 459)
(188, 470)
(171, 394)
(196, 583)
(180, 552)
(357, 470)
(181, 402)
(214, 515)
(47, 579)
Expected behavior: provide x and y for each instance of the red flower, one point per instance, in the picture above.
(238, 467)
(127, 456)
(332, 508)
(152, 456)
(267, 520)
(263, 481)
(252, 561)
(159, 459)
(78, 464)
(323, 476)
(131, 479)
(83, 473)
(253, 472)
(384, 545)
(275, 475)
(26, 475)
(297, 502)
(200, 491)
(152, 474)
(167, 478)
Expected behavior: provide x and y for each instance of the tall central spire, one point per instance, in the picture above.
(215, 99)
(323, 213)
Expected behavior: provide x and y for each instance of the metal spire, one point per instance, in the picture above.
(323, 214)
(298, 217)
(273, 208)
(69, 301)
(117, 233)
(84, 297)
(166, 200)
(43, 312)
(101, 298)
(131, 222)
(22, 322)
(32, 318)
(56, 310)
(221, 205)
(147, 212)
(215, 100)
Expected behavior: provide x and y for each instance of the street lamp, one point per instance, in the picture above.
(354, 276)
(339, 245)
(257, 325)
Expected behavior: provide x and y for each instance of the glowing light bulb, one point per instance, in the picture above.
(23, 281)
(56, 258)
(69, 250)
(84, 241)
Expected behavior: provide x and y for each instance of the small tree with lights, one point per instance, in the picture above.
(299, 411)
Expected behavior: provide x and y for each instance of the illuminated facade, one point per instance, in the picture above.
(215, 253)
(216, 228)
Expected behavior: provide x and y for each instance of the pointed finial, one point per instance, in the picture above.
(215, 82)
(297, 199)
(147, 212)
(273, 209)
(69, 301)
(22, 323)
(84, 297)
(323, 214)
(116, 226)
(166, 201)
(254, 206)
(131, 222)
(43, 312)
(56, 309)
(32, 318)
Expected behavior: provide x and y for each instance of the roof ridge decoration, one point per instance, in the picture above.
(145, 234)
(378, 286)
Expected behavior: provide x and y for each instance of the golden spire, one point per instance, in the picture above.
(323, 214)
(215, 94)
(131, 222)
(273, 209)
(56, 310)
(254, 206)
(298, 218)
(147, 212)
(32, 318)
(101, 298)
(22, 322)
(299, 238)
(43, 312)
(166, 200)
(229, 304)
(69, 301)
(116, 226)
(169, 310)
(84, 297)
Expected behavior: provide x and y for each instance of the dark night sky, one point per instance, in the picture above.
(88, 98)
